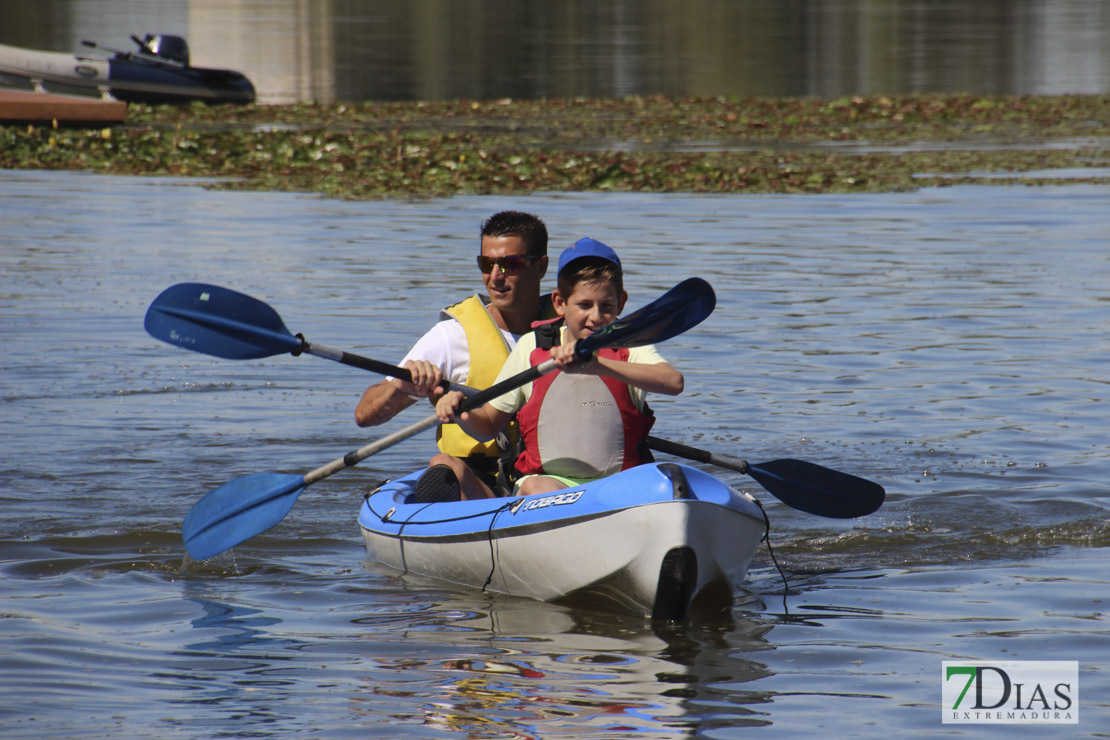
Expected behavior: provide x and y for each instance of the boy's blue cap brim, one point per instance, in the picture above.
(587, 247)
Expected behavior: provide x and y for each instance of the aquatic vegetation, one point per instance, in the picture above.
(722, 145)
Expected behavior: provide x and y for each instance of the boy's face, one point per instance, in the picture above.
(589, 307)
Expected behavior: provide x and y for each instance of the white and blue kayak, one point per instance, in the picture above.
(658, 540)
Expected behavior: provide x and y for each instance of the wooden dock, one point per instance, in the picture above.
(19, 106)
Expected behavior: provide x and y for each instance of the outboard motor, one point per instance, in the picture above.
(169, 47)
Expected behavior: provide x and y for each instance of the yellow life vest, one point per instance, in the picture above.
(488, 351)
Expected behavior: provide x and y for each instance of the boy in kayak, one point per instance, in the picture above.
(586, 419)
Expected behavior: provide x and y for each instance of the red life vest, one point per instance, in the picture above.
(581, 426)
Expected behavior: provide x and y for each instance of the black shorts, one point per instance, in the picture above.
(487, 469)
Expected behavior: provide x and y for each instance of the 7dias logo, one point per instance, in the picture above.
(1010, 692)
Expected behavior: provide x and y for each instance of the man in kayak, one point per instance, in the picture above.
(469, 345)
(587, 419)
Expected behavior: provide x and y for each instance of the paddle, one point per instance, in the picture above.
(232, 325)
(247, 506)
(801, 485)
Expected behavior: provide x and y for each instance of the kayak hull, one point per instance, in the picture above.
(658, 540)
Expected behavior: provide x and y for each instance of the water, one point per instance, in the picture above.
(949, 344)
(488, 49)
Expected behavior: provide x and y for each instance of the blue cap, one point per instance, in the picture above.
(587, 247)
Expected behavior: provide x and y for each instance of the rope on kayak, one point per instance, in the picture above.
(387, 517)
(771, 552)
(489, 537)
(511, 504)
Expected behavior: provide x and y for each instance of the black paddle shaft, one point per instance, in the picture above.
(367, 363)
(801, 485)
(226, 323)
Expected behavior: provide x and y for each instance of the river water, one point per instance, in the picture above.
(949, 344)
(340, 50)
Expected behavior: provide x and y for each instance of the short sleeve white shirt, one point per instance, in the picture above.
(444, 345)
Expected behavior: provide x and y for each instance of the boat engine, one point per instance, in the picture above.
(169, 47)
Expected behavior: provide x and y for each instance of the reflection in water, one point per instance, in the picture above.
(342, 50)
(469, 663)
(530, 670)
(237, 629)
(231, 671)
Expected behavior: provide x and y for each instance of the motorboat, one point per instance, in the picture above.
(159, 71)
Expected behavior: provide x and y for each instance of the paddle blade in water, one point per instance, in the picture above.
(818, 490)
(218, 321)
(681, 308)
(237, 511)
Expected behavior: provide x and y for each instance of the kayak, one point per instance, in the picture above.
(159, 72)
(659, 540)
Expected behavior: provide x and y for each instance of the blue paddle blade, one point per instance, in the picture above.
(818, 490)
(237, 511)
(218, 321)
(681, 308)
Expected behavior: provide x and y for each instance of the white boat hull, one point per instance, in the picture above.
(627, 544)
(125, 78)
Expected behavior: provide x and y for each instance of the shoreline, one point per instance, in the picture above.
(657, 144)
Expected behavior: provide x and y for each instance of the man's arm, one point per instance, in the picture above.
(381, 402)
(384, 400)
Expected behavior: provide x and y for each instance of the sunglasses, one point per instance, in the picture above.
(508, 265)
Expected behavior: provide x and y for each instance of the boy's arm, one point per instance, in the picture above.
(660, 377)
(655, 377)
(482, 423)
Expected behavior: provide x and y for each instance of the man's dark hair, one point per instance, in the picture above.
(528, 227)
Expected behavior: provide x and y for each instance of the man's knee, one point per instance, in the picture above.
(441, 458)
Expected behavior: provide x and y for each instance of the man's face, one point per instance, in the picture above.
(508, 288)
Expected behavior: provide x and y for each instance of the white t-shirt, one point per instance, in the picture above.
(444, 345)
(519, 361)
